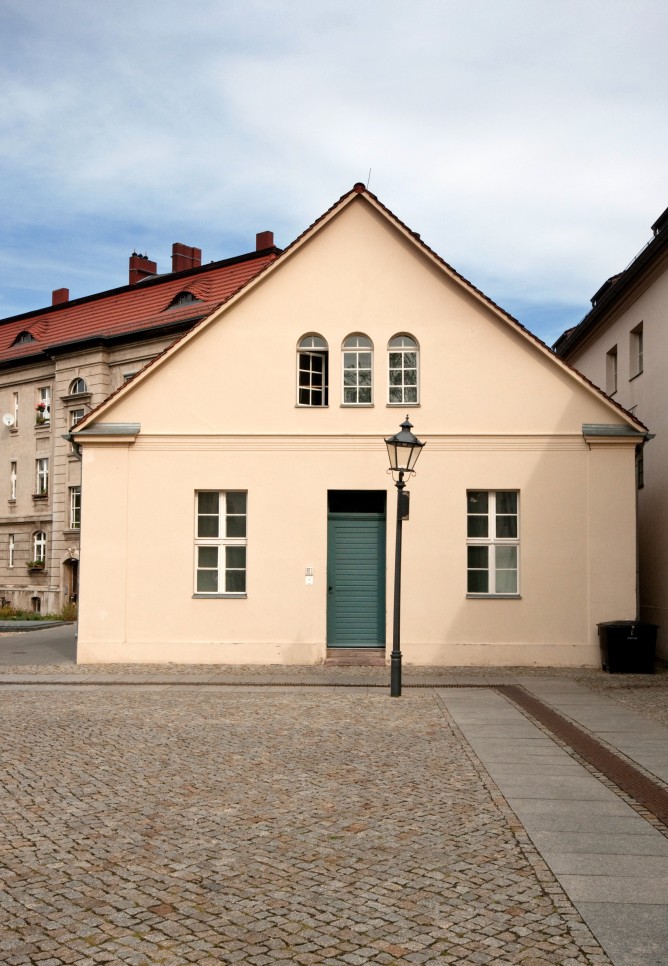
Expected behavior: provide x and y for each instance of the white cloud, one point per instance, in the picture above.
(525, 141)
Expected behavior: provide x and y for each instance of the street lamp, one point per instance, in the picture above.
(403, 450)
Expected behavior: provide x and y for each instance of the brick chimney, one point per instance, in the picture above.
(183, 257)
(264, 239)
(60, 295)
(141, 267)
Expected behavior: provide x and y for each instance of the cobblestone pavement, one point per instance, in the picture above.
(211, 825)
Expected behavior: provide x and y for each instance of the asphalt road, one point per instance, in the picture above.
(48, 645)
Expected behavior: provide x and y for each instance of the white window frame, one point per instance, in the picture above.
(636, 351)
(310, 348)
(494, 545)
(219, 532)
(39, 546)
(42, 476)
(78, 387)
(75, 507)
(16, 411)
(44, 399)
(401, 389)
(611, 371)
(13, 479)
(357, 370)
(11, 550)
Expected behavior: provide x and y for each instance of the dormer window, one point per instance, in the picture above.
(24, 337)
(183, 298)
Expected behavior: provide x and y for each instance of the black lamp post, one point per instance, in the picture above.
(403, 450)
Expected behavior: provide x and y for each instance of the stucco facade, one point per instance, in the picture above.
(220, 413)
(622, 345)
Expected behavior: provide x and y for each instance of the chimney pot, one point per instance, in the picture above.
(183, 257)
(60, 295)
(141, 267)
(264, 239)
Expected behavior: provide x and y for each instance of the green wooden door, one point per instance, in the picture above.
(356, 580)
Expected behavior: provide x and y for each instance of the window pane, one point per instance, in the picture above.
(349, 360)
(478, 557)
(410, 395)
(478, 582)
(396, 359)
(506, 581)
(395, 377)
(477, 526)
(350, 377)
(365, 360)
(207, 527)
(236, 582)
(395, 395)
(506, 501)
(410, 360)
(506, 558)
(236, 502)
(235, 557)
(478, 501)
(207, 502)
(410, 377)
(207, 581)
(365, 395)
(207, 556)
(506, 526)
(349, 395)
(365, 377)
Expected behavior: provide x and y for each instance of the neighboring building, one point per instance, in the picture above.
(622, 346)
(58, 363)
(237, 503)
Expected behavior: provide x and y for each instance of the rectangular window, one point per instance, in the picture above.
(492, 543)
(13, 476)
(43, 407)
(312, 375)
(16, 410)
(42, 476)
(220, 542)
(75, 507)
(11, 549)
(636, 351)
(611, 371)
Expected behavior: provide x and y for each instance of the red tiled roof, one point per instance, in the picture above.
(133, 308)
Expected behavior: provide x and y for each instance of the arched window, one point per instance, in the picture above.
(357, 370)
(404, 355)
(39, 547)
(312, 371)
(78, 386)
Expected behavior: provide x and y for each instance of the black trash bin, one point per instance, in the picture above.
(627, 646)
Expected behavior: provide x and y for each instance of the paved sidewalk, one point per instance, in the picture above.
(260, 815)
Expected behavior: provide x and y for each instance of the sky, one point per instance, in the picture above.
(525, 140)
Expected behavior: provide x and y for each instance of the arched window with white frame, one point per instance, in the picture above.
(357, 370)
(39, 547)
(403, 370)
(312, 371)
(78, 386)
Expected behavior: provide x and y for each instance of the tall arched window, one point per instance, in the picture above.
(312, 371)
(404, 356)
(39, 547)
(357, 370)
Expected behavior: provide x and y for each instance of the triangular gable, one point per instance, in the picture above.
(359, 194)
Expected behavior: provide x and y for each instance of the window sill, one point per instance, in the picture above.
(402, 405)
(72, 532)
(40, 497)
(305, 406)
(493, 596)
(357, 405)
(220, 596)
(635, 375)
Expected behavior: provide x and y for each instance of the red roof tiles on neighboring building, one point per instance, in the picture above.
(148, 305)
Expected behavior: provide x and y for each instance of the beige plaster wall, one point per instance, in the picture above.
(219, 412)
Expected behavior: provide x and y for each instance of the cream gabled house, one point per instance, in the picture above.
(237, 506)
